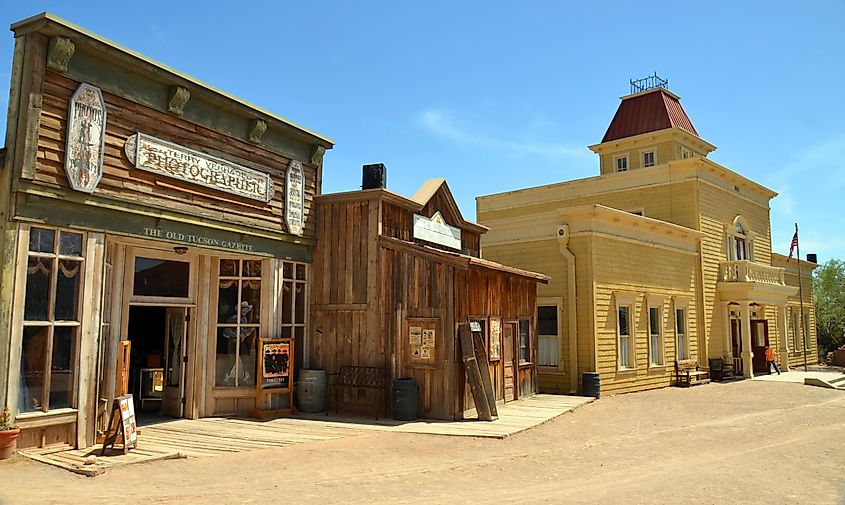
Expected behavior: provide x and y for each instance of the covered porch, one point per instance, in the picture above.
(753, 299)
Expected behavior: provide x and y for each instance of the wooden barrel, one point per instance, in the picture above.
(311, 390)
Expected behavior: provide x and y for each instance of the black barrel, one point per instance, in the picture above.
(406, 398)
(591, 384)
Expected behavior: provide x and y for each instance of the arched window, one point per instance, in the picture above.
(740, 244)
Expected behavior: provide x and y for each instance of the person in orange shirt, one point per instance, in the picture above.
(770, 360)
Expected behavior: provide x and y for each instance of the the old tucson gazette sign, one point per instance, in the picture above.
(434, 229)
(165, 158)
(294, 197)
(86, 134)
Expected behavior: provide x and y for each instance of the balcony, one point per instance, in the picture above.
(747, 271)
(753, 282)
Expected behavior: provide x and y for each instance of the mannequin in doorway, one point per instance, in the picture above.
(770, 360)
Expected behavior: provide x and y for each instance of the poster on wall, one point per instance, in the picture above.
(427, 349)
(275, 364)
(415, 341)
(495, 338)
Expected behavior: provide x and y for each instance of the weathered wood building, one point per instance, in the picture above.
(141, 205)
(398, 275)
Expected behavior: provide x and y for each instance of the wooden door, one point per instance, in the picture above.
(736, 344)
(759, 341)
(507, 362)
(176, 362)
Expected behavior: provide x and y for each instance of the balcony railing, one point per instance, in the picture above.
(747, 271)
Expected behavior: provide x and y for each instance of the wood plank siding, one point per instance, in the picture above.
(356, 322)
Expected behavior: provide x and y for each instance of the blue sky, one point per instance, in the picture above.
(502, 95)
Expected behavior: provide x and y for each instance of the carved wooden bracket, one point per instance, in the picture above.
(59, 53)
(178, 98)
(257, 127)
(317, 155)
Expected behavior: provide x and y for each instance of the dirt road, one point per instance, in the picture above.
(745, 442)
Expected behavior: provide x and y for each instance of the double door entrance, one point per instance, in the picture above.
(759, 341)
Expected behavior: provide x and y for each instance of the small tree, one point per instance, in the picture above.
(829, 293)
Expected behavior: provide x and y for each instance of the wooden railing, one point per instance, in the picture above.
(748, 271)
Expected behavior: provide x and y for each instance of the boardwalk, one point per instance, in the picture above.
(180, 438)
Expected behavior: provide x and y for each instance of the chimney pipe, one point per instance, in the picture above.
(374, 176)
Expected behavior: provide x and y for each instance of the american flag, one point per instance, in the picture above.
(793, 245)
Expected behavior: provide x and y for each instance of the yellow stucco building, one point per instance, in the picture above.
(666, 256)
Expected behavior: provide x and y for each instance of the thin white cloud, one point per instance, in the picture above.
(443, 124)
(821, 159)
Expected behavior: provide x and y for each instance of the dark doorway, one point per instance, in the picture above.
(759, 341)
(146, 364)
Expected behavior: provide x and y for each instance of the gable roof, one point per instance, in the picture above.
(652, 110)
(417, 203)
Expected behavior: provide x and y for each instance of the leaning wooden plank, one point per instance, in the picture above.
(474, 374)
(484, 370)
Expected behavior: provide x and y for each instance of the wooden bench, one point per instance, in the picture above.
(687, 373)
(359, 377)
(721, 370)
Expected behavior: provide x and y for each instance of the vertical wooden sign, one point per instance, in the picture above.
(86, 135)
(295, 198)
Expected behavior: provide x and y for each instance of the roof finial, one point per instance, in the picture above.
(647, 83)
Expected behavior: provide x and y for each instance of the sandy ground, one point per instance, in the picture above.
(743, 442)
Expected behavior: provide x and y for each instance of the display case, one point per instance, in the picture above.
(150, 386)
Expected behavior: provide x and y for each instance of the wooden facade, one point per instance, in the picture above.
(188, 272)
(379, 284)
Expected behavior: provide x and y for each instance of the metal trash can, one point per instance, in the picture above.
(311, 390)
(591, 384)
(406, 399)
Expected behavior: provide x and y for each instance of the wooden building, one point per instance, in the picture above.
(664, 257)
(141, 205)
(398, 275)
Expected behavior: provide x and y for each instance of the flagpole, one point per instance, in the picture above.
(801, 297)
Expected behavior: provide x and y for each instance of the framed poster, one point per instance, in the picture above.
(495, 339)
(276, 360)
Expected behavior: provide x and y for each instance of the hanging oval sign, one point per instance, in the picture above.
(295, 197)
(86, 135)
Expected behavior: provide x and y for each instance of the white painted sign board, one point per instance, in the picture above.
(295, 198)
(434, 229)
(172, 160)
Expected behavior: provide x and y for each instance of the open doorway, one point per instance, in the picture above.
(158, 359)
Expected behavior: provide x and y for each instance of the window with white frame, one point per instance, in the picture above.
(547, 335)
(625, 330)
(51, 320)
(648, 159)
(238, 321)
(621, 163)
(740, 245)
(686, 153)
(797, 343)
(805, 332)
(655, 334)
(681, 333)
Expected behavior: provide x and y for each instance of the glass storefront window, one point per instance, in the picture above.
(51, 320)
(293, 308)
(238, 322)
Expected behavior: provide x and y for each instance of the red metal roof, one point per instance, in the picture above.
(654, 110)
